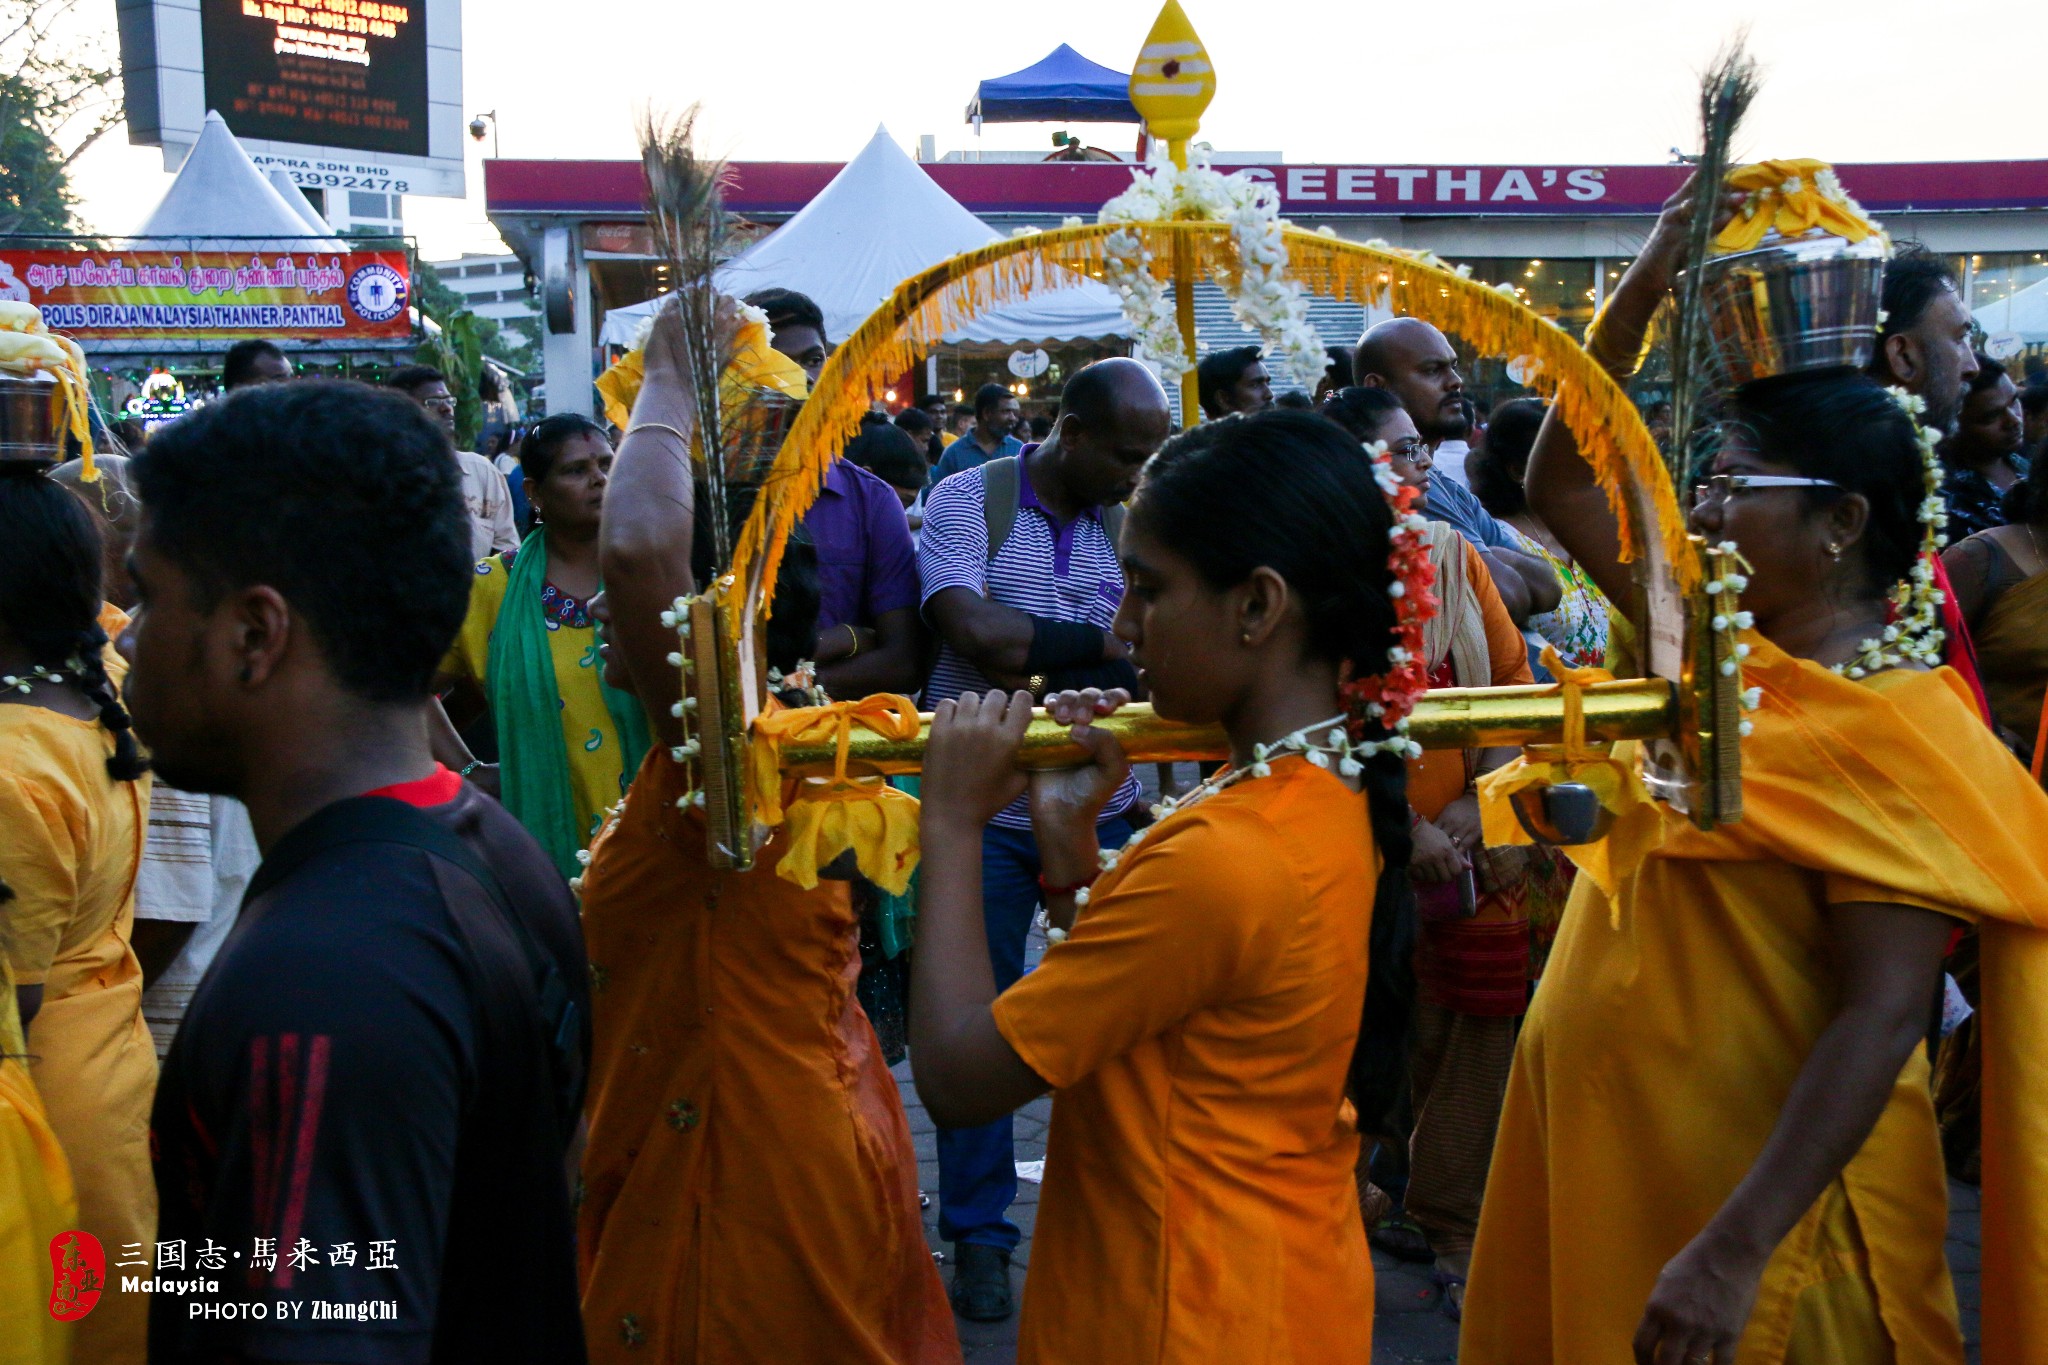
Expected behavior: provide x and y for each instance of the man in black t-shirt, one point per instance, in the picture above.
(362, 1130)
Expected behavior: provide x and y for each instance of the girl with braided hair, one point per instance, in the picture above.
(1201, 1017)
(73, 810)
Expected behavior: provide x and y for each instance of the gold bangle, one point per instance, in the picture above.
(854, 631)
(659, 426)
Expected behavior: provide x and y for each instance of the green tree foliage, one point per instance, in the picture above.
(59, 93)
(516, 345)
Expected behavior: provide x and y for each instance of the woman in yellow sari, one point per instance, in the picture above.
(36, 1202)
(74, 805)
(1718, 1143)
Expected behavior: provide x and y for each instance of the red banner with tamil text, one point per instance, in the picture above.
(224, 295)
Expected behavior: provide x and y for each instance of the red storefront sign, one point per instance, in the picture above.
(1308, 191)
(214, 295)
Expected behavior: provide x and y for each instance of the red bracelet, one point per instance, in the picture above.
(1048, 891)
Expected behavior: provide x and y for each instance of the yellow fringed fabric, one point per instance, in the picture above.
(944, 298)
(827, 816)
(755, 366)
(27, 348)
(1794, 198)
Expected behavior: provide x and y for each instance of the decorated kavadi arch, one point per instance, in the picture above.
(745, 745)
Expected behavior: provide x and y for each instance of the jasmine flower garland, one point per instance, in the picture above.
(1262, 296)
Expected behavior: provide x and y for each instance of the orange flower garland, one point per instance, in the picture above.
(1386, 699)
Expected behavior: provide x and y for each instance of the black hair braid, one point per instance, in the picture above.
(50, 565)
(1379, 1061)
(89, 671)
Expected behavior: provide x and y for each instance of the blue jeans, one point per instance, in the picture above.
(978, 1166)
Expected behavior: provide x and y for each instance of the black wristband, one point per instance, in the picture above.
(1062, 644)
(1115, 673)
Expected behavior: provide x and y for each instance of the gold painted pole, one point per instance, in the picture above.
(1184, 304)
(1184, 314)
(1447, 718)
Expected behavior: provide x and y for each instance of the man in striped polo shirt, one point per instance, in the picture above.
(1021, 584)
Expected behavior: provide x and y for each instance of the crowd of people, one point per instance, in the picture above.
(362, 945)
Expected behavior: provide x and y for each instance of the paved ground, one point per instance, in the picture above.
(1408, 1329)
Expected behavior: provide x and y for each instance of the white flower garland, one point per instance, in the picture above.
(1916, 633)
(1730, 577)
(26, 682)
(1262, 297)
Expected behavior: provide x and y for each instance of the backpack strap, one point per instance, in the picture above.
(384, 820)
(1001, 486)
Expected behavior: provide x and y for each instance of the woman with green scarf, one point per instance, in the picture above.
(567, 743)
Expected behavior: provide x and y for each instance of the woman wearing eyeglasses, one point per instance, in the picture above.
(1718, 1136)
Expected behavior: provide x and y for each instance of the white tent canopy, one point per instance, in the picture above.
(1087, 312)
(220, 196)
(880, 221)
(2023, 315)
(301, 205)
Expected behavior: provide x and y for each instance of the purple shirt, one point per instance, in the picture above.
(866, 564)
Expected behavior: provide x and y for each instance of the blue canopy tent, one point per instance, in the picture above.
(1063, 87)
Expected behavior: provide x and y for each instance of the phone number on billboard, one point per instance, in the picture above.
(353, 182)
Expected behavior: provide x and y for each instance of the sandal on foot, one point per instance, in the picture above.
(1450, 1294)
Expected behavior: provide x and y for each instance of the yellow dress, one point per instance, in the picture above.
(36, 1203)
(590, 736)
(70, 844)
(1688, 984)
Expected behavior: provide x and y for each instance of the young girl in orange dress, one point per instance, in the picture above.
(1198, 1023)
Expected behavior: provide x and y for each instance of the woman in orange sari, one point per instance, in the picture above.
(749, 1186)
(2000, 579)
(1718, 1141)
(1198, 1023)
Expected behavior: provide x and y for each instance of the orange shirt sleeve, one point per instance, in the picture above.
(1189, 922)
(1505, 647)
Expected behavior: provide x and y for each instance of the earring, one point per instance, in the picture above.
(1834, 550)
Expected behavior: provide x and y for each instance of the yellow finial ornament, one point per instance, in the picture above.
(1173, 81)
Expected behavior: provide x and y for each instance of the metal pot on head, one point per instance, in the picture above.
(1808, 303)
(31, 427)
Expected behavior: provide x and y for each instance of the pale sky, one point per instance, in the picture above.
(1476, 82)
